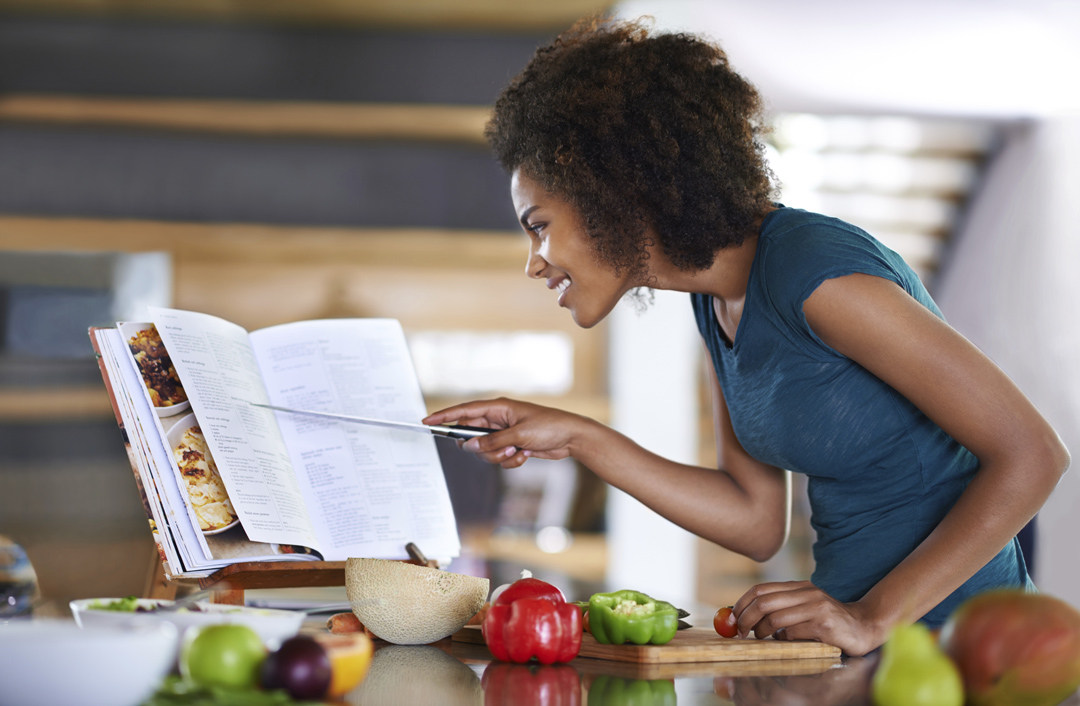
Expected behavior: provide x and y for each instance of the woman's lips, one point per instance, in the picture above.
(560, 288)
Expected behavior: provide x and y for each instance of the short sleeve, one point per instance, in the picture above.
(798, 260)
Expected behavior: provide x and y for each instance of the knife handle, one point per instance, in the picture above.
(460, 431)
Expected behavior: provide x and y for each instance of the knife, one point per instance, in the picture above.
(454, 431)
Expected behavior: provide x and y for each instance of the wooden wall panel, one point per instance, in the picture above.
(457, 298)
(259, 276)
(450, 123)
(441, 14)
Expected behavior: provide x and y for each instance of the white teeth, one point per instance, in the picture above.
(561, 286)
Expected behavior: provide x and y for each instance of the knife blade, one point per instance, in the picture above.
(452, 431)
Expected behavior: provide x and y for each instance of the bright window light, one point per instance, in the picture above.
(806, 199)
(847, 133)
(453, 363)
(895, 134)
(843, 170)
(888, 172)
(800, 169)
(802, 130)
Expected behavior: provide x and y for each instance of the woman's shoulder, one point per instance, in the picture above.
(788, 227)
(799, 249)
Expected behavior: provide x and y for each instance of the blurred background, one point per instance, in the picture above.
(270, 161)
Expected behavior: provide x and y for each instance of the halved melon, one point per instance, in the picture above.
(408, 604)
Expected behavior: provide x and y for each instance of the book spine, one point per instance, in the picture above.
(144, 499)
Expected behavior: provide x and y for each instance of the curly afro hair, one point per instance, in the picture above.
(637, 130)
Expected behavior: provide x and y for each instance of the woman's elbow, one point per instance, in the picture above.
(767, 546)
(1062, 458)
(764, 554)
(759, 545)
(1051, 459)
(1054, 455)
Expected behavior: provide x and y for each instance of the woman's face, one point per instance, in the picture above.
(562, 254)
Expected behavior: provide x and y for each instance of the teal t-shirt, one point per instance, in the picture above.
(881, 475)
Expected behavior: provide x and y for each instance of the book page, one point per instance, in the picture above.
(370, 490)
(213, 358)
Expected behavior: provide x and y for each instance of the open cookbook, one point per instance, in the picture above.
(224, 481)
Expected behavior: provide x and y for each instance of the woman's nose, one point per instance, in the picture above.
(535, 265)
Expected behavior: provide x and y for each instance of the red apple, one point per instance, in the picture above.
(1014, 647)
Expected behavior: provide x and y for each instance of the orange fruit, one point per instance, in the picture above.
(350, 657)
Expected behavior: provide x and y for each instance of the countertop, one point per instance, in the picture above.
(449, 672)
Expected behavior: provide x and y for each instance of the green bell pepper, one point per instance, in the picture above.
(631, 616)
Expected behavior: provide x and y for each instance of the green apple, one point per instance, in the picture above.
(915, 672)
(222, 655)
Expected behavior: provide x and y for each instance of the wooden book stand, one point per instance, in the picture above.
(227, 585)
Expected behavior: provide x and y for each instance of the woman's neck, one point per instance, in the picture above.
(725, 279)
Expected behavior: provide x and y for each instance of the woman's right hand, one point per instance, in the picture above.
(524, 430)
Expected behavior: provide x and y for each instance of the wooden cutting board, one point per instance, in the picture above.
(690, 645)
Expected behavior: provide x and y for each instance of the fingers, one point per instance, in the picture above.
(481, 413)
(764, 589)
(515, 459)
(760, 610)
(520, 430)
(499, 447)
(476, 422)
(794, 623)
(799, 610)
(497, 442)
(501, 455)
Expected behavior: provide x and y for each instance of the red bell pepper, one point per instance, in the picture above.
(528, 587)
(532, 621)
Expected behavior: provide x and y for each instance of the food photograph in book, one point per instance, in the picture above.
(167, 396)
(202, 487)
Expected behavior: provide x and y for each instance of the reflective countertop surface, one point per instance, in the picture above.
(449, 672)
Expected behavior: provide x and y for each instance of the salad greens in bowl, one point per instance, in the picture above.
(272, 626)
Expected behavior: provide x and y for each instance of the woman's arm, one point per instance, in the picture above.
(878, 325)
(744, 508)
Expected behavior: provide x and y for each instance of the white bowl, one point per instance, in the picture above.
(53, 662)
(173, 409)
(272, 626)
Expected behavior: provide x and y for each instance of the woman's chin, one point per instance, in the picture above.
(591, 315)
(585, 320)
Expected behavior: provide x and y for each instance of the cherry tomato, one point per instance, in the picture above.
(724, 622)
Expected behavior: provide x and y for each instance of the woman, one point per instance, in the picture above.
(635, 163)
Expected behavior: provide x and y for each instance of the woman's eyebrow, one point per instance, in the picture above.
(525, 215)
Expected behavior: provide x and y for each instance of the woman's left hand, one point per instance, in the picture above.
(799, 610)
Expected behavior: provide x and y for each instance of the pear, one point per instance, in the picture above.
(915, 672)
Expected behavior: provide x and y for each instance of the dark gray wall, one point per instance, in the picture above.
(96, 172)
(101, 173)
(133, 58)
